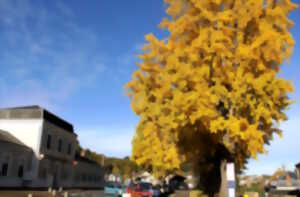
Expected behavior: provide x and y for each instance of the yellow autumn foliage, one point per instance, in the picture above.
(216, 75)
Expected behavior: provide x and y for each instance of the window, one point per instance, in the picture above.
(64, 175)
(42, 173)
(4, 169)
(83, 177)
(69, 149)
(20, 171)
(59, 145)
(90, 178)
(48, 141)
(77, 177)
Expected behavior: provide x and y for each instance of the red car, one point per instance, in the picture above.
(140, 190)
(130, 188)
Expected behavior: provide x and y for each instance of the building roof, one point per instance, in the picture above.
(23, 107)
(35, 112)
(297, 165)
(7, 137)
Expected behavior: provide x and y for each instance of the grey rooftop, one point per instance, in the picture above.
(34, 112)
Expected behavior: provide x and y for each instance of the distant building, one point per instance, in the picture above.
(286, 183)
(147, 177)
(250, 180)
(298, 170)
(48, 143)
(87, 173)
(113, 178)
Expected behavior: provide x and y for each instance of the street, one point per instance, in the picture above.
(71, 193)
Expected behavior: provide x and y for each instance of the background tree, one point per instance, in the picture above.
(116, 170)
(127, 172)
(210, 91)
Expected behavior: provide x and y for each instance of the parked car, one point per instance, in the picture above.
(183, 186)
(130, 188)
(157, 190)
(140, 190)
(114, 189)
(165, 189)
(177, 183)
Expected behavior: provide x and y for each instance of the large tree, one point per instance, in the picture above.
(211, 91)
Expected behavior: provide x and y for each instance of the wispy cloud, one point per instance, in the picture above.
(65, 10)
(46, 56)
(127, 62)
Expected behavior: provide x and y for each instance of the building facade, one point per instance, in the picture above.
(15, 160)
(87, 173)
(51, 142)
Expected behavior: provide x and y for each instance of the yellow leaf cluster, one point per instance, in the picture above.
(217, 72)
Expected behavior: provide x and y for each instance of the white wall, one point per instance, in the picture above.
(15, 156)
(28, 131)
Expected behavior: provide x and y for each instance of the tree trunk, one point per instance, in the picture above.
(223, 188)
(211, 194)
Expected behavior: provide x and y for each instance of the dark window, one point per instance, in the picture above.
(64, 175)
(4, 169)
(69, 149)
(42, 173)
(20, 171)
(77, 177)
(48, 141)
(59, 145)
(83, 177)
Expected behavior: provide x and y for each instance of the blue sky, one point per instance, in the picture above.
(74, 58)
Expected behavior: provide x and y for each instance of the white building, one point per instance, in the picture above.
(51, 142)
(15, 160)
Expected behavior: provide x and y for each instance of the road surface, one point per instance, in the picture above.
(71, 193)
